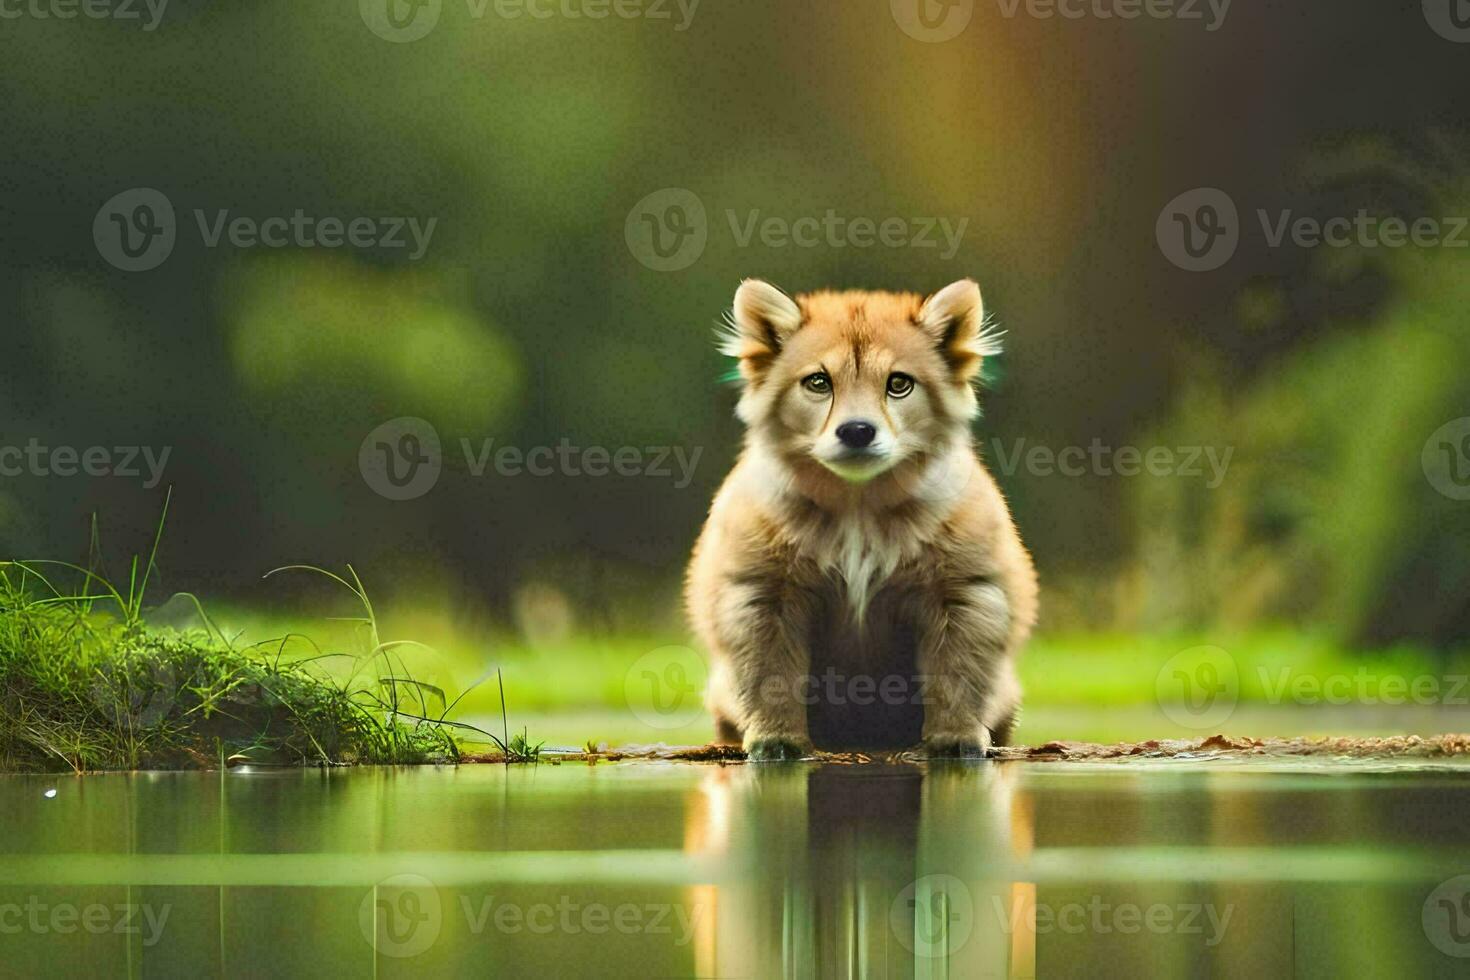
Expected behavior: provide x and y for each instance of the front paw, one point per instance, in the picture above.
(777, 749)
(956, 747)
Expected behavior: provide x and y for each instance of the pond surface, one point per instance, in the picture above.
(676, 870)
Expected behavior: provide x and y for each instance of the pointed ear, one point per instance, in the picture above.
(954, 318)
(761, 321)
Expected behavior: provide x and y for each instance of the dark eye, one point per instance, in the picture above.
(818, 383)
(900, 385)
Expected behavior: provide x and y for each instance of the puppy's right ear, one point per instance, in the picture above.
(761, 321)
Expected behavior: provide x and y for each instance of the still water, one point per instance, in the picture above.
(677, 870)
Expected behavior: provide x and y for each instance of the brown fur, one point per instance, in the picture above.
(826, 572)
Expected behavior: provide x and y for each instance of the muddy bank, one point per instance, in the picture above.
(1211, 747)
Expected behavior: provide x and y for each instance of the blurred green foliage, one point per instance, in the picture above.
(1329, 515)
(529, 320)
(324, 339)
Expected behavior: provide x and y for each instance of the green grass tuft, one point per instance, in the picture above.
(87, 685)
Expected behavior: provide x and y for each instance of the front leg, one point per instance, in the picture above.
(963, 657)
(762, 626)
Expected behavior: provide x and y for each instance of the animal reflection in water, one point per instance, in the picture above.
(862, 871)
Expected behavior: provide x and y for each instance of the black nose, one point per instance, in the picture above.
(856, 435)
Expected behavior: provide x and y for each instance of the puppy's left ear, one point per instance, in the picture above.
(761, 321)
(954, 318)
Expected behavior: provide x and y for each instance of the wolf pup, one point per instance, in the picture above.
(859, 582)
